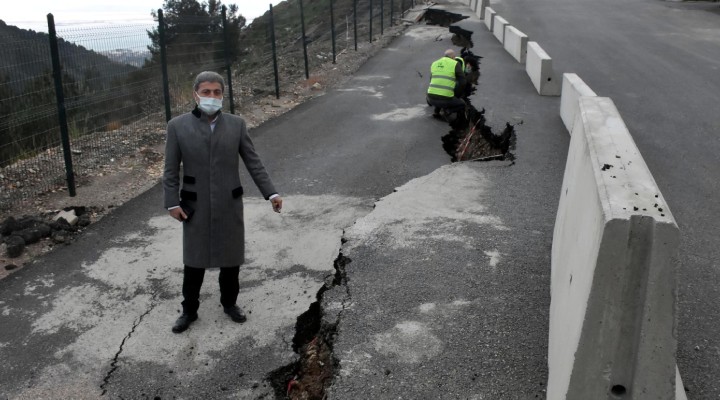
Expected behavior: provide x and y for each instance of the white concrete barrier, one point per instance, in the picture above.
(499, 28)
(614, 255)
(481, 10)
(515, 43)
(473, 4)
(538, 66)
(572, 88)
(489, 18)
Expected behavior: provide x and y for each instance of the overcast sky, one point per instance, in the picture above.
(33, 15)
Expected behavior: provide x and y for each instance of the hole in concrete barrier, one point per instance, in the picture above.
(441, 17)
(618, 390)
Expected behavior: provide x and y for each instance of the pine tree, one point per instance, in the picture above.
(194, 32)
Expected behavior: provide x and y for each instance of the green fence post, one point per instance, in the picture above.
(227, 60)
(332, 29)
(382, 17)
(391, 12)
(371, 18)
(163, 65)
(304, 40)
(274, 53)
(355, 22)
(62, 112)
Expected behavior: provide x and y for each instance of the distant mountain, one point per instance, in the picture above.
(25, 56)
(130, 57)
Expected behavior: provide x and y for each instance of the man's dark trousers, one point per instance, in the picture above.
(193, 280)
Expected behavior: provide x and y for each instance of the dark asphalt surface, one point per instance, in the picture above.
(659, 61)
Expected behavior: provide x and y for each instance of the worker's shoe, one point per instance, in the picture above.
(235, 314)
(184, 322)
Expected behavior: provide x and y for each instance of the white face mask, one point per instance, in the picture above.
(209, 105)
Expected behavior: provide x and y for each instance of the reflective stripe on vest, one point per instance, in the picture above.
(462, 62)
(442, 80)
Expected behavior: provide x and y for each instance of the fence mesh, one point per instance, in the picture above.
(113, 83)
(28, 114)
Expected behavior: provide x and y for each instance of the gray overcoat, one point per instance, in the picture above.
(215, 235)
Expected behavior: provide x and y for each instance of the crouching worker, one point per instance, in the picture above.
(447, 81)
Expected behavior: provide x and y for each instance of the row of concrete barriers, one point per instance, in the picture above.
(615, 248)
(538, 63)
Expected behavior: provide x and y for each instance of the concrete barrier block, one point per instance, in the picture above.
(614, 256)
(489, 18)
(474, 4)
(481, 9)
(538, 66)
(572, 89)
(499, 28)
(515, 43)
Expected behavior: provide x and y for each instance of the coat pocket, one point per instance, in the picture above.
(186, 195)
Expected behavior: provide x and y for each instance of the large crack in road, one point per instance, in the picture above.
(470, 139)
(315, 333)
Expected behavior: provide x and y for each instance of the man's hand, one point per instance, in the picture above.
(178, 214)
(276, 204)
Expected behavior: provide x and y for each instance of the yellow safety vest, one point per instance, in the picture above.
(461, 61)
(442, 80)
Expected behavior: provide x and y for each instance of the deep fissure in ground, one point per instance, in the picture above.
(309, 376)
(470, 138)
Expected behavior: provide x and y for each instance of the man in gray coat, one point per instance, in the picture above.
(209, 144)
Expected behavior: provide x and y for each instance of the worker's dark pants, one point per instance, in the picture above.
(193, 280)
(450, 104)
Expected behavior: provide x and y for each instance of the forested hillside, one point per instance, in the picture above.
(95, 89)
(25, 54)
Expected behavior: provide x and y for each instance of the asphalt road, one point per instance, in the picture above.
(659, 61)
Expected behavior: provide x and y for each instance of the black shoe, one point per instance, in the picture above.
(235, 314)
(184, 322)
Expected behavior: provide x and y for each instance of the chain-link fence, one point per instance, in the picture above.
(114, 84)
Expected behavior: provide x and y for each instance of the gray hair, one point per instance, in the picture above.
(208, 76)
(450, 53)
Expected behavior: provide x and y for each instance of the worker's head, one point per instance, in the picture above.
(450, 53)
